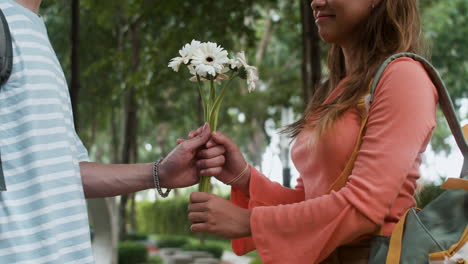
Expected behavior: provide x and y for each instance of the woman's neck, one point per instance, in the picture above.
(348, 59)
(32, 5)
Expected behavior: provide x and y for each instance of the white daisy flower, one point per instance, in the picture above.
(234, 64)
(175, 63)
(186, 54)
(209, 59)
(251, 72)
(219, 78)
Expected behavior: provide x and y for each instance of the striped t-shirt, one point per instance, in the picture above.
(43, 216)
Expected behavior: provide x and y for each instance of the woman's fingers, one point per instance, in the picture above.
(197, 217)
(211, 143)
(221, 139)
(212, 171)
(211, 152)
(200, 228)
(211, 163)
(199, 197)
(197, 207)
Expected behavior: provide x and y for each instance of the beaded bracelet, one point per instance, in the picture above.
(156, 179)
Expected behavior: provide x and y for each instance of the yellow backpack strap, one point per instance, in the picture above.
(455, 183)
(396, 241)
(340, 182)
(442, 255)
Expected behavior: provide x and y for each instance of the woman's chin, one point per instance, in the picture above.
(327, 35)
(328, 38)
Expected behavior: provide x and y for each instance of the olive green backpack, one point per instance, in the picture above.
(437, 234)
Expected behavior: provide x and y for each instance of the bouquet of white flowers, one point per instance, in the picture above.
(209, 63)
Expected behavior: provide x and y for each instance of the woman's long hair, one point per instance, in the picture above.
(393, 27)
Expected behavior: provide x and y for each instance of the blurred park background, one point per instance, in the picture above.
(130, 107)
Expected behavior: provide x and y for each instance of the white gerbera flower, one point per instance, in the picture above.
(175, 63)
(209, 59)
(219, 78)
(186, 54)
(234, 64)
(252, 72)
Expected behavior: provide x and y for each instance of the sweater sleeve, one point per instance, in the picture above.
(401, 120)
(263, 192)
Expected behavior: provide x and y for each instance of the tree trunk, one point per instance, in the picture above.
(133, 224)
(129, 154)
(75, 59)
(269, 29)
(311, 68)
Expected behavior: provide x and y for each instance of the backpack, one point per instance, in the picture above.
(437, 234)
(6, 65)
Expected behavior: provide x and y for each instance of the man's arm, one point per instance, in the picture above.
(177, 170)
(105, 180)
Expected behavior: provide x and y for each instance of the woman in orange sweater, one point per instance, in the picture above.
(305, 224)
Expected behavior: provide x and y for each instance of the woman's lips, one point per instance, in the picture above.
(323, 17)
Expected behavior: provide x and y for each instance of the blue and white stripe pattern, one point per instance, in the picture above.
(43, 217)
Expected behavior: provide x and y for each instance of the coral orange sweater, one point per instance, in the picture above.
(304, 225)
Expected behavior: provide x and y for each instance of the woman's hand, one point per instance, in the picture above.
(214, 215)
(234, 162)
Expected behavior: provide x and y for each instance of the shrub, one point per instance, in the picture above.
(428, 193)
(155, 260)
(217, 251)
(131, 252)
(136, 237)
(172, 242)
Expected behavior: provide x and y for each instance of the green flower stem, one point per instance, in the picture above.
(217, 104)
(211, 116)
(202, 95)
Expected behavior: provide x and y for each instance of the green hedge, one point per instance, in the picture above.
(131, 252)
(136, 237)
(155, 260)
(165, 217)
(217, 251)
(172, 242)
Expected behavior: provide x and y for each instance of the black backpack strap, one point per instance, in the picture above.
(6, 65)
(6, 50)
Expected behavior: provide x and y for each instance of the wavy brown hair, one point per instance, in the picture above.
(392, 27)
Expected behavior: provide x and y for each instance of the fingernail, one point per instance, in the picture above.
(205, 126)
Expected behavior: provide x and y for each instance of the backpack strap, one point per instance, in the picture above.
(6, 65)
(6, 50)
(444, 101)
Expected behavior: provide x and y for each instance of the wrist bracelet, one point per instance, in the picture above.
(156, 179)
(239, 176)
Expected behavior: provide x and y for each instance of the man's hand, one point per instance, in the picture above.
(214, 215)
(178, 169)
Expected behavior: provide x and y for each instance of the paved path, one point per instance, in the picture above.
(231, 258)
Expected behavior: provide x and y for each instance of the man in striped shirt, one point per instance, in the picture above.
(43, 217)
